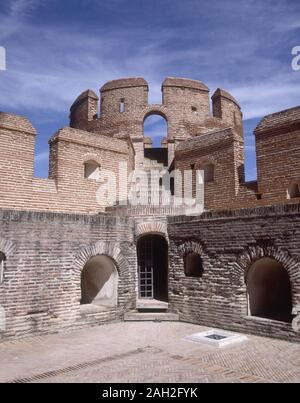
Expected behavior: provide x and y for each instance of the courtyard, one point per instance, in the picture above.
(146, 352)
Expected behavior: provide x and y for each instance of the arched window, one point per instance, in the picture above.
(156, 129)
(293, 191)
(193, 266)
(91, 170)
(155, 149)
(99, 282)
(2, 266)
(269, 290)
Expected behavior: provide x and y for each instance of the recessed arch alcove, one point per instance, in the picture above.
(254, 253)
(99, 282)
(269, 290)
(293, 191)
(112, 260)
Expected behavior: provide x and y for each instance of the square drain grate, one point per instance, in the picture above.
(217, 338)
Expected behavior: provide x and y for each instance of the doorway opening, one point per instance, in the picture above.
(152, 253)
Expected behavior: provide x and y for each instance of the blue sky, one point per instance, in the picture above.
(57, 49)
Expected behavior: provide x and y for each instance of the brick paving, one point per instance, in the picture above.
(145, 352)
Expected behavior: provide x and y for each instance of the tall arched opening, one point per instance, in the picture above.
(269, 290)
(99, 282)
(152, 254)
(155, 139)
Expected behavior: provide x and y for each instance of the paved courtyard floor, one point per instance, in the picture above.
(145, 352)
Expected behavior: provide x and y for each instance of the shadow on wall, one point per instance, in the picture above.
(269, 290)
(99, 282)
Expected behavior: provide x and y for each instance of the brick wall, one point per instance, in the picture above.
(229, 242)
(45, 255)
(66, 190)
(46, 251)
(223, 149)
(114, 136)
(278, 150)
(185, 106)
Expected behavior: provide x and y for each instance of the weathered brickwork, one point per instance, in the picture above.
(278, 150)
(46, 253)
(185, 106)
(228, 244)
(50, 229)
(196, 137)
(222, 151)
(67, 189)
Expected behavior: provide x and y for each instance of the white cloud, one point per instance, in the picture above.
(269, 95)
(238, 47)
(42, 157)
(14, 20)
(49, 68)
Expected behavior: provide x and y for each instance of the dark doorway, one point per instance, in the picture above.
(152, 252)
(269, 290)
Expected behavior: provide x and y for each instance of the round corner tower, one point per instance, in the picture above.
(124, 107)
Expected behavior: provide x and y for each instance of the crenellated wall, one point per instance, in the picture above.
(277, 151)
(196, 137)
(185, 106)
(50, 228)
(67, 189)
(221, 151)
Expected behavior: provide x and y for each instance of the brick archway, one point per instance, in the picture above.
(155, 228)
(7, 247)
(106, 248)
(252, 254)
(189, 247)
(92, 157)
(160, 110)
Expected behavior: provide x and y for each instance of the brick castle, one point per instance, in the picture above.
(69, 260)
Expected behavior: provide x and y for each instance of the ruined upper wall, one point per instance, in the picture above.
(277, 145)
(131, 82)
(17, 139)
(286, 119)
(226, 108)
(277, 151)
(68, 189)
(185, 106)
(16, 123)
(188, 99)
(84, 109)
(124, 107)
(219, 154)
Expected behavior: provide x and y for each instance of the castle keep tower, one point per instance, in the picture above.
(72, 257)
(185, 107)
